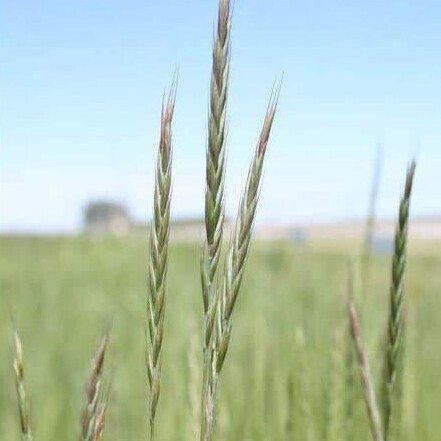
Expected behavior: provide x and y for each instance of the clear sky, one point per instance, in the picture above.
(81, 84)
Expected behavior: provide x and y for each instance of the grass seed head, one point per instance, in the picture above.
(93, 405)
(159, 237)
(20, 388)
(394, 344)
(367, 381)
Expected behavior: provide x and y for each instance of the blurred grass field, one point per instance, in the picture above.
(64, 291)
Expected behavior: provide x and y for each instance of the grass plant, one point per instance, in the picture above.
(20, 388)
(159, 237)
(380, 417)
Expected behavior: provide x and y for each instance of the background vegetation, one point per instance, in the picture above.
(288, 375)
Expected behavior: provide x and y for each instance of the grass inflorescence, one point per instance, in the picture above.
(222, 268)
(395, 334)
(214, 204)
(93, 415)
(380, 416)
(20, 387)
(159, 237)
(220, 290)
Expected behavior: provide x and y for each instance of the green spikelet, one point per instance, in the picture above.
(159, 236)
(215, 167)
(214, 205)
(366, 378)
(226, 294)
(240, 242)
(395, 337)
(20, 387)
(92, 418)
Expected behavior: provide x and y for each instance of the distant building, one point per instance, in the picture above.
(103, 217)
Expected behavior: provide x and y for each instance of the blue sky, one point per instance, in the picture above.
(81, 84)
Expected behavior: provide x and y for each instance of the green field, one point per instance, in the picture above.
(275, 386)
